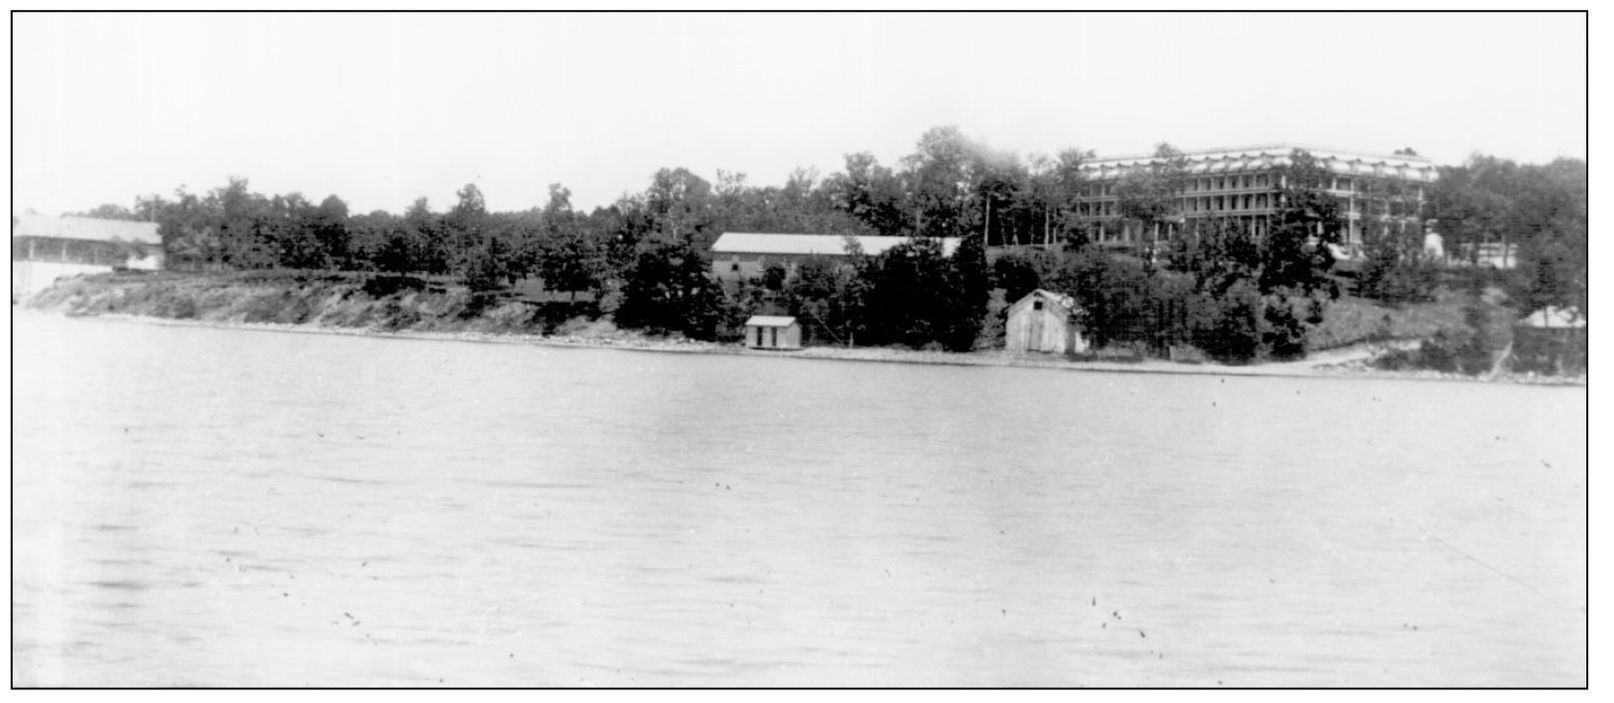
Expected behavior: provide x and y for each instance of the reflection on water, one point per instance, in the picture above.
(221, 508)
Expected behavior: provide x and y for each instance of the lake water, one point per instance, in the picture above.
(215, 507)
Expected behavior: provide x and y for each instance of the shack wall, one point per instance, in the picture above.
(1054, 334)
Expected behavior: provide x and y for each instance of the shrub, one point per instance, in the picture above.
(383, 286)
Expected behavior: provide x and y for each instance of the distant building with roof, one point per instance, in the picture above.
(1551, 340)
(740, 255)
(1380, 194)
(45, 248)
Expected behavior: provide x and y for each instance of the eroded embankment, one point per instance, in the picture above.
(356, 303)
(334, 300)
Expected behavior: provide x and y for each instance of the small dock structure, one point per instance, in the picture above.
(772, 332)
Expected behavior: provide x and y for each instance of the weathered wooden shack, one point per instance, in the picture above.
(1044, 321)
(772, 332)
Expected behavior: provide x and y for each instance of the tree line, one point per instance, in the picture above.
(646, 257)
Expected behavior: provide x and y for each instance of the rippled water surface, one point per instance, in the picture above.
(214, 507)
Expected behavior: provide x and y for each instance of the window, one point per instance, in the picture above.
(1036, 305)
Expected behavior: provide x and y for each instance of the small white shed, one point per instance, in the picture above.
(772, 332)
(1044, 321)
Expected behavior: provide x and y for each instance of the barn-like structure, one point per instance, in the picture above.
(45, 248)
(1044, 321)
(741, 255)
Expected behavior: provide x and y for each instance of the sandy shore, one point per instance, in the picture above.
(1348, 362)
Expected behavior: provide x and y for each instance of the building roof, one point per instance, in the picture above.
(1555, 318)
(1244, 158)
(87, 228)
(1068, 302)
(770, 321)
(809, 244)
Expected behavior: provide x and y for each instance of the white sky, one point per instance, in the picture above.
(382, 108)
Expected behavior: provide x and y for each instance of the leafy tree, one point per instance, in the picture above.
(396, 255)
(1151, 196)
(1306, 220)
(939, 181)
(872, 194)
(1230, 326)
(287, 224)
(1396, 271)
(108, 211)
(1055, 184)
(970, 290)
(668, 289)
(329, 225)
(679, 204)
(1017, 275)
(429, 244)
(910, 296)
(773, 276)
(824, 296)
(490, 267)
(1540, 210)
(466, 227)
(238, 216)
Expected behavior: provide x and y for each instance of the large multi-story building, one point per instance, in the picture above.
(1380, 195)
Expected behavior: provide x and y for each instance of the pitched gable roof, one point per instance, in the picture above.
(1065, 301)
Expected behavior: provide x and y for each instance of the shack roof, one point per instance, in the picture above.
(1068, 302)
(770, 321)
(809, 244)
(87, 228)
(1554, 318)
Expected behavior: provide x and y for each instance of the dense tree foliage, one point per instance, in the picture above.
(1151, 197)
(1540, 210)
(645, 259)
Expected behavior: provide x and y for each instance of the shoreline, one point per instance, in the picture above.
(1345, 363)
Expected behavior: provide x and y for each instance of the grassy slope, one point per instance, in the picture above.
(1353, 320)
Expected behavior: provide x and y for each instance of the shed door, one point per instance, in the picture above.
(1034, 334)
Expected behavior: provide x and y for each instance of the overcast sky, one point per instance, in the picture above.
(380, 109)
